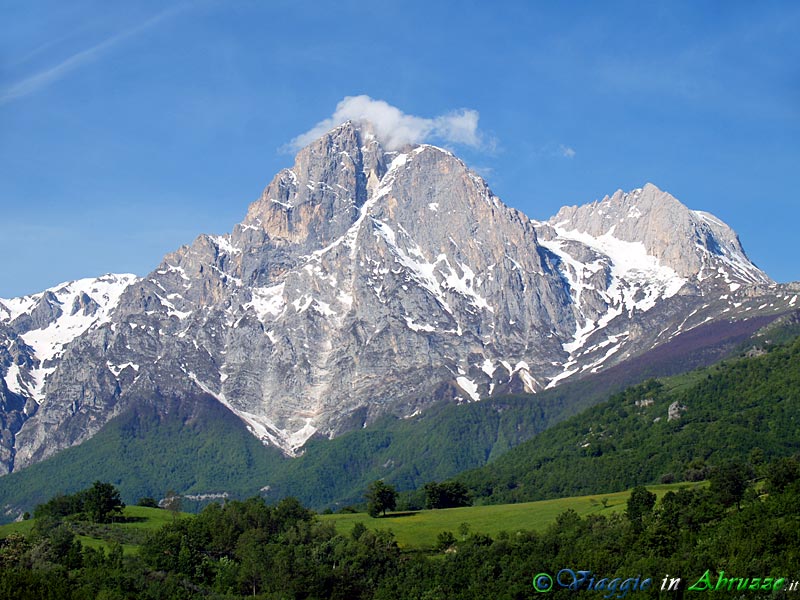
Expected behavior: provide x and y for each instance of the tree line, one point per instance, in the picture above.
(746, 522)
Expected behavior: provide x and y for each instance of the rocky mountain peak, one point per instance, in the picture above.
(692, 243)
(316, 200)
(367, 281)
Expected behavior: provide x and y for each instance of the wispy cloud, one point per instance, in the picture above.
(395, 128)
(44, 47)
(566, 151)
(552, 150)
(38, 81)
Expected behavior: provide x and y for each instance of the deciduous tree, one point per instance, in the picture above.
(380, 498)
(640, 503)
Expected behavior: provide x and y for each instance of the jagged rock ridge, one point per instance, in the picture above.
(363, 282)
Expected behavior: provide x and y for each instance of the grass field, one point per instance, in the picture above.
(418, 530)
(413, 530)
(147, 518)
(142, 520)
(23, 527)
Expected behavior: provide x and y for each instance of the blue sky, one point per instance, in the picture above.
(127, 128)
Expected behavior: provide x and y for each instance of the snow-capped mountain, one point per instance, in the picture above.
(364, 282)
(47, 322)
(35, 330)
(624, 256)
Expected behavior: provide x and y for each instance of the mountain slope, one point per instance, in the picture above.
(366, 282)
(446, 439)
(197, 447)
(34, 333)
(673, 430)
(194, 446)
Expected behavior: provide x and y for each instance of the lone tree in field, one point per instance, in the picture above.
(102, 502)
(380, 498)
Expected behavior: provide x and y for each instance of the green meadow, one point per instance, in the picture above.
(419, 529)
(139, 521)
(413, 530)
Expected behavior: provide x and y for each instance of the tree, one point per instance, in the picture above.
(358, 530)
(288, 512)
(380, 498)
(448, 494)
(102, 502)
(60, 506)
(445, 540)
(12, 550)
(783, 473)
(729, 482)
(640, 503)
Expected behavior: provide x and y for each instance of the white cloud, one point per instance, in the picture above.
(394, 128)
(566, 151)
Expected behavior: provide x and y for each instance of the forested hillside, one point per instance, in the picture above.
(745, 409)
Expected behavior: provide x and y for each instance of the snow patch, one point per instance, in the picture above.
(171, 310)
(302, 303)
(174, 269)
(49, 343)
(414, 414)
(345, 299)
(14, 380)
(469, 386)
(223, 242)
(566, 373)
(14, 307)
(488, 367)
(323, 308)
(267, 302)
(117, 369)
(425, 273)
(638, 279)
(418, 326)
(278, 202)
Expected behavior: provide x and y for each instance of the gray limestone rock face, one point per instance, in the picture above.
(37, 334)
(46, 310)
(316, 201)
(364, 282)
(692, 243)
(675, 411)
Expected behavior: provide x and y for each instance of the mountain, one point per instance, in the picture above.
(199, 448)
(194, 446)
(34, 333)
(632, 260)
(449, 439)
(676, 429)
(362, 283)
